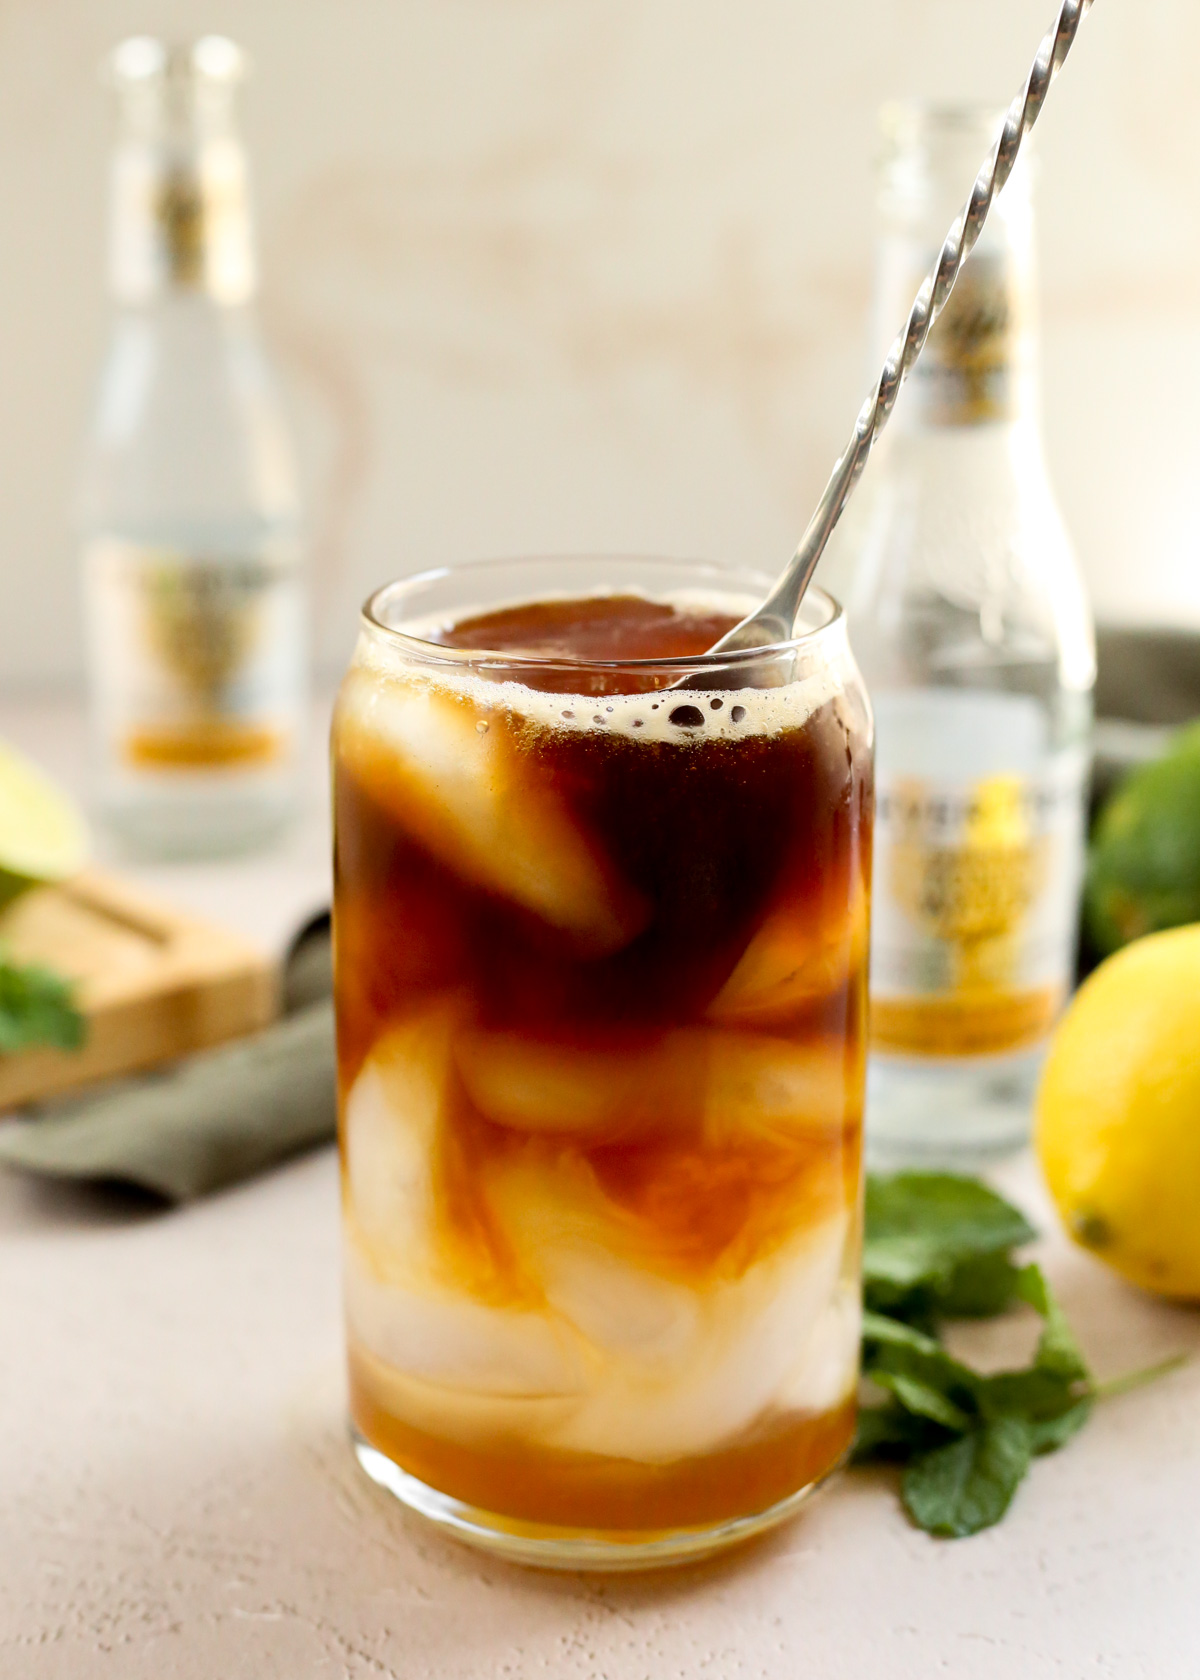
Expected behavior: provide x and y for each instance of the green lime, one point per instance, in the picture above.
(42, 835)
(1144, 864)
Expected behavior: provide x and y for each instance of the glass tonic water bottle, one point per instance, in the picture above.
(193, 594)
(969, 621)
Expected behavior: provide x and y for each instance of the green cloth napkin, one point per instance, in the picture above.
(205, 1122)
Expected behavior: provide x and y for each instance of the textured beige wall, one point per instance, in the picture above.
(588, 273)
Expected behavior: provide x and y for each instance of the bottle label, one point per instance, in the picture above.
(976, 880)
(181, 222)
(197, 660)
(180, 214)
(967, 373)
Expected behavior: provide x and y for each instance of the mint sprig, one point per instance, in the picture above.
(939, 1247)
(37, 1007)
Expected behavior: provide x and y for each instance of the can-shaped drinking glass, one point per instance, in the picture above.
(601, 918)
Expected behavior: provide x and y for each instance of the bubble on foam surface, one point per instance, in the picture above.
(703, 716)
(478, 804)
(686, 717)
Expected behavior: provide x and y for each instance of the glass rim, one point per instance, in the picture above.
(442, 653)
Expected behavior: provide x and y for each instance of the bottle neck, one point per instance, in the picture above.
(180, 222)
(979, 367)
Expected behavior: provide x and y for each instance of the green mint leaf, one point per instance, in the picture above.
(1048, 1434)
(891, 1433)
(923, 1399)
(1053, 1394)
(937, 1245)
(944, 1213)
(968, 1484)
(879, 1328)
(1057, 1349)
(891, 1345)
(981, 1287)
(1029, 1393)
(915, 1374)
(900, 1263)
(37, 1007)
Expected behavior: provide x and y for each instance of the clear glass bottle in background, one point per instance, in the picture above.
(193, 589)
(970, 623)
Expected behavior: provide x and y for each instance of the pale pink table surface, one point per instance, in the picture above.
(177, 1497)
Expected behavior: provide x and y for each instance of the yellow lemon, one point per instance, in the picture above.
(1118, 1113)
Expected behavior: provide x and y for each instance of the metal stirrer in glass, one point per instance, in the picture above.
(774, 620)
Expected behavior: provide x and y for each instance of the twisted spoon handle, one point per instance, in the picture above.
(775, 619)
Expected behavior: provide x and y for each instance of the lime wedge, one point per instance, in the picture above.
(42, 835)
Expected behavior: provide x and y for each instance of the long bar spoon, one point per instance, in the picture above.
(774, 620)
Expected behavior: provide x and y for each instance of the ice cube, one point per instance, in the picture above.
(826, 1367)
(443, 1336)
(404, 1301)
(459, 1414)
(728, 1083)
(675, 1369)
(793, 960)
(594, 1090)
(757, 1084)
(733, 1370)
(477, 802)
(622, 1358)
(592, 1260)
(392, 1117)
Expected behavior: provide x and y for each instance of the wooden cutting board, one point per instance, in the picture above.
(152, 982)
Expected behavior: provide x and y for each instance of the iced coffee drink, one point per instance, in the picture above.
(601, 936)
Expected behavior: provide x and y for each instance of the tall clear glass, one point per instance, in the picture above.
(600, 959)
(969, 621)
